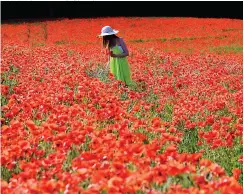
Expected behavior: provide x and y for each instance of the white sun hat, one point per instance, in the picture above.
(107, 30)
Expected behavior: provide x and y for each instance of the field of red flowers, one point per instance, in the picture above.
(68, 127)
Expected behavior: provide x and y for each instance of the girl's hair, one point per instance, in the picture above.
(109, 41)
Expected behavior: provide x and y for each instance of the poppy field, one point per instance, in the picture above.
(67, 126)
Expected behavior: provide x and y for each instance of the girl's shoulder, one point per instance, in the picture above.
(120, 40)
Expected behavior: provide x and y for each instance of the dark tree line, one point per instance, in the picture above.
(26, 10)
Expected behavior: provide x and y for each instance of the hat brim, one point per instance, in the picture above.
(107, 34)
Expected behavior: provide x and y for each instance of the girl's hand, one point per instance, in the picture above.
(112, 54)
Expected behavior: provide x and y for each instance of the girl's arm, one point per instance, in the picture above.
(124, 47)
(108, 53)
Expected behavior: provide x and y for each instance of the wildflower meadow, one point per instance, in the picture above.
(68, 127)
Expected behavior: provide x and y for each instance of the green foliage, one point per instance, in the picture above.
(131, 166)
(5, 80)
(103, 192)
(189, 141)
(85, 145)
(150, 134)
(4, 100)
(138, 40)
(152, 97)
(185, 180)
(72, 153)
(153, 163)
(227, 157)
(124, 96)
(85, 183)
(101, 72)
(11, 83)
(163, 39)
(46, 146)
(167, 113)
(140, 192)
(227, 49)
(6, 174)
(59, 42)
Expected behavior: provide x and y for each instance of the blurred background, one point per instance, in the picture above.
(32, 10)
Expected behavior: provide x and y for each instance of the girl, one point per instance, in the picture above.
(118, 52)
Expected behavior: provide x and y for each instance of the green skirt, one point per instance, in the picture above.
(119, 67)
